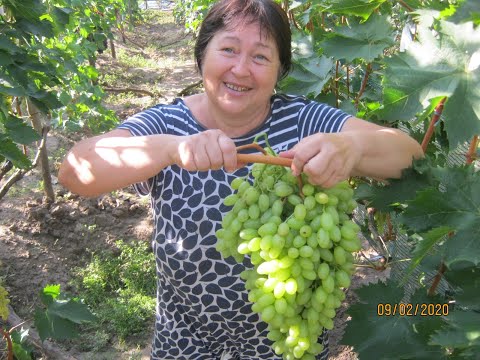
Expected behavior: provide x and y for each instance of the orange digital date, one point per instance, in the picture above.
(409, 309)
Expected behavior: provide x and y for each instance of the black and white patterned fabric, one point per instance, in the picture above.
(203, 312)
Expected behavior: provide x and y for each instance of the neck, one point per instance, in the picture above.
(232, 125)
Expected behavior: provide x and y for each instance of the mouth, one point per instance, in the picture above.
(237, 88)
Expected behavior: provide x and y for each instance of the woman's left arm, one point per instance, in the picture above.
(385, 152)
(361, 148)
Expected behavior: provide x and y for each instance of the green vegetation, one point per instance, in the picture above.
(120, 289)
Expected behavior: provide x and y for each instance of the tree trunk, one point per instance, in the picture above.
(35, 117)
(112, 49)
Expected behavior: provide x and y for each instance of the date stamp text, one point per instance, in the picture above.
(410, 309)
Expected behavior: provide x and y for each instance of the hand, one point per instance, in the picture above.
(325, 158)
(210, 149)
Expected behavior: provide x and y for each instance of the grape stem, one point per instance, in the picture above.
(261, 158)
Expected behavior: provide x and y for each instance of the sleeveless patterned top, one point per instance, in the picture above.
(203, 312)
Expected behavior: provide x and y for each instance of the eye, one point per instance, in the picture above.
(228, 50)
(260, 57)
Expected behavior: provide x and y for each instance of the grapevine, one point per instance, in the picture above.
(300, 239)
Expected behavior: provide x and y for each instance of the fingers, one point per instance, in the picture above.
(229, 153)
(325, 158)
(211, 149)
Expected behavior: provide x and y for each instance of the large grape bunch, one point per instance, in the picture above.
(300, 239)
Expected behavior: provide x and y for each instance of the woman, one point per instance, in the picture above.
(183, 155)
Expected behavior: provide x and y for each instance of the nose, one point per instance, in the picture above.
(240, 67)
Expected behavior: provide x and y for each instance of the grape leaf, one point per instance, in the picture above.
(446, 65)
(425, 245)
(462, 332)
(467, 11)
(58, 320)
(398, 191)
(457, 206)
(362, 8)
(360, 40)
(465, 280)
(389, 337)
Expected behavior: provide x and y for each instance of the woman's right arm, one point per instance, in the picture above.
(117, 159)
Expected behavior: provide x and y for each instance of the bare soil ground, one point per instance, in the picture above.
(42, 243)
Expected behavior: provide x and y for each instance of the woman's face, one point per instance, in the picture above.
(240, 70)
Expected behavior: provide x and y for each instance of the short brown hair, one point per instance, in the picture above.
(270, 16)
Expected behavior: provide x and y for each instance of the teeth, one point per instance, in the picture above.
(236, 88)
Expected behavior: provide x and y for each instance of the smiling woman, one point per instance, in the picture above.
(184, 156)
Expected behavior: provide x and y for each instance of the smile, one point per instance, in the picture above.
(236, 88)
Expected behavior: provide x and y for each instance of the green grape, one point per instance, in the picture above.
(321, 198)
(254, 244)
(263, 202)
(328, 284)
(235, 184)
(283, 189)
(283, 229)
(339, 255)
(293, 253)
(323, 271)
(326, 221)
(306, 251)
(300, 212)
(254, 211)
(268, 229)
(295, 224)
(242, 215)
(299, 241)
(342, 278)
(309, 202)
(230, 200)
(291, 286)
(277, 207)
(305, 231)
(294, 199)
(323, 239)
(268, 313)
(243, 188)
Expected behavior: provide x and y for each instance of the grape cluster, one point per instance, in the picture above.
(3, 304)
(300, 240)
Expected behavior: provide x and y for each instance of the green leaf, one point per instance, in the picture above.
(54, 327)
(21, 349)
(466, 282)
(71, 310)
(8, 45)
(10, 151)
(389, 337)
(397, 192)
(467, 11)
(365, 41)
(455, 204)
(59, 319)
(462, 332)
(361, 8)
(446, 65)
(20, 132)
(308, 76)
(425, 245)
(49, 293)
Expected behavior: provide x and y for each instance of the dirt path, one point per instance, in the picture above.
(40, 244)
